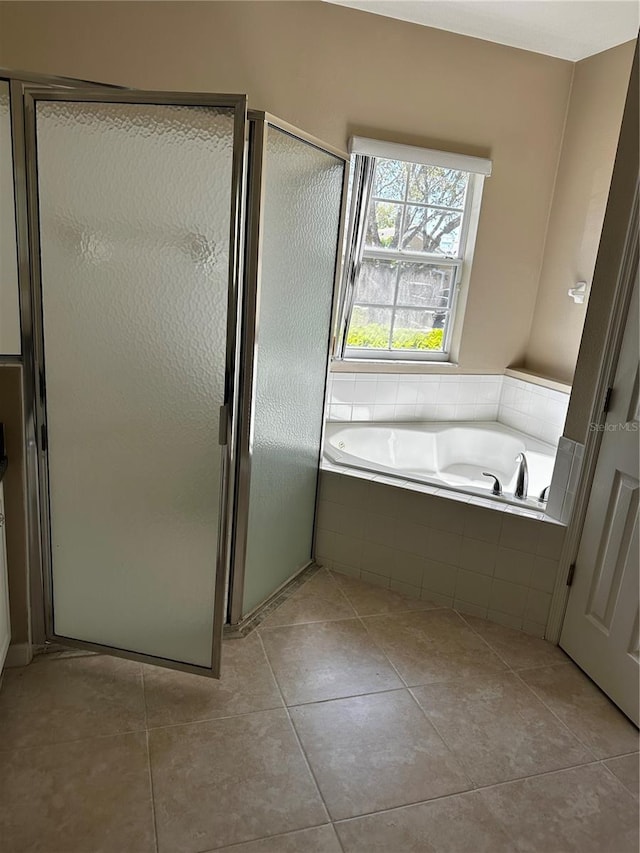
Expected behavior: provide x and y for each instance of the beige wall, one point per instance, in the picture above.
(608, 265)
(334, 72)
(14, 494)
(579, 202)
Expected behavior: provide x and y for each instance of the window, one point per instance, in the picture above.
(412, 222)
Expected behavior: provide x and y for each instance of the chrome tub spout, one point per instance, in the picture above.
(522, 480)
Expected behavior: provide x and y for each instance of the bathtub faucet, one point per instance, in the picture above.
(497, 488)
(522, 480)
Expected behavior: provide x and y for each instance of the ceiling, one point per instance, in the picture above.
(568, 29)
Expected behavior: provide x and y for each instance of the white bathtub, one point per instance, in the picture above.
(450, 455)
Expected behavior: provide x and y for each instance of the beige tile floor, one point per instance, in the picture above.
(353, 721)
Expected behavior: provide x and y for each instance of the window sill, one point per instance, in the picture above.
(538, 379)
(369, 365)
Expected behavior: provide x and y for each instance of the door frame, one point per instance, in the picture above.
(625, 278)
(41, 575)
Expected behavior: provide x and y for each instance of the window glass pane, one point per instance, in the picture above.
(390, 180)
(369, 327)
(418, 330)
(419, 183)
(415, 214)
(435, 185)
(425, 285)
(383, 225)
(428, 229)
(377, 281)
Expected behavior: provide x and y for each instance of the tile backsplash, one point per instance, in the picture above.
(534, 409)
(525, 406)
(409, 397)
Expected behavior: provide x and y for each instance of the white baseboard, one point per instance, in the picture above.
(19, 654)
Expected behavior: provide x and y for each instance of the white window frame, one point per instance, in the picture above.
(364, 154)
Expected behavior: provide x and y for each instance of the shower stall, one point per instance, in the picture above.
(177, 258)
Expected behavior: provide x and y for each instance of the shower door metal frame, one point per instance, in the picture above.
(258, 124)
(32, 94)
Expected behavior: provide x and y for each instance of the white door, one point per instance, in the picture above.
(136, 205)
(600, 630)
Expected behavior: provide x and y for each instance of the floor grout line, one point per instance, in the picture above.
(349, 696)
(444, 740)
(556, 716)
(337, 835)
(382, 651)
(603, 762)
(478, 790)
(336, 584)
(564, 726)
(238, 844)
(408, 688)
(486, 642)
(265, 627)
(146, 736)
(356, 615)
(67, 742)
(295, 733)
(516, 672)
(431, 605)
(214, 719)
(555, 664)
(148, 728)
(621, 755)
(431, 610)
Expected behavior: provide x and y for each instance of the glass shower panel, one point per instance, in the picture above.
(9, 299)
(134, 207)
(300, 220)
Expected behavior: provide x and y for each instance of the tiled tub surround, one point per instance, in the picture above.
(526, 406)
(533, 409)
(413, 397)
(479, 556)
(566, 475)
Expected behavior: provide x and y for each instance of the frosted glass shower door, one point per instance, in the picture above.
(300, 195)
(137, 206)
